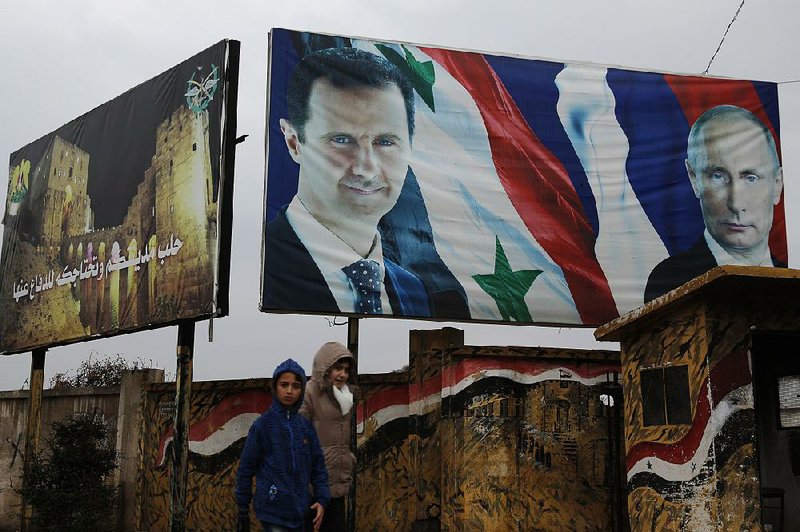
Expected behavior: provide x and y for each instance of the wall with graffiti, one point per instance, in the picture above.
(482, 438)
(691, 439)
(221, 415)
(464, 438)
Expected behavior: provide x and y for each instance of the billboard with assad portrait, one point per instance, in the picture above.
(120, 219)
(422, 182)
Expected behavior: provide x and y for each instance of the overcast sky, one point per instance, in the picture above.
(62, 59)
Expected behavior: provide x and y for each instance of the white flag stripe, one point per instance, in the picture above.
(468, 206)
(738, 399)
(627, 245)
(553, 374)
(233, 430)
(385, 415)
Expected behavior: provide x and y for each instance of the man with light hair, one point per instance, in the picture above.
(733, 167)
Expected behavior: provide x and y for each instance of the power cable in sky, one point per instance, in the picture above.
(735, 15)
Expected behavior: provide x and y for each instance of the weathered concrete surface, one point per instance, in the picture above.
(701, 475)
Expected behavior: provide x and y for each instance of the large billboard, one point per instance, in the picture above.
(120, 219)
(424, 182)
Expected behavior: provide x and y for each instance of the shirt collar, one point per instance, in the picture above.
(723, 258)
(331, 254)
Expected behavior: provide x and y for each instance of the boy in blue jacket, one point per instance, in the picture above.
(283, 452)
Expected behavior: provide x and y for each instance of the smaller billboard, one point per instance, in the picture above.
(120, 219)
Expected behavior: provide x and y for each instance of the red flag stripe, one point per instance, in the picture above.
(255, 402)
(730, 374)
(537, 185)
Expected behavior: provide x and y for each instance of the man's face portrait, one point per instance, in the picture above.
(354, 158)
(738, 181)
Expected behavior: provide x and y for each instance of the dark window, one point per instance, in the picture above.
(70, 171)
(665, 396)
(194, 146)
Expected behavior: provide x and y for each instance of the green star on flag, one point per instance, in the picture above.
(507, 287)
(421, 75)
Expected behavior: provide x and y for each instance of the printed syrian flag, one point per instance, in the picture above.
(552, 190)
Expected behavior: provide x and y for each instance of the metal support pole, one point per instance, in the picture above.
(352, 345)
(34, 427)
(180, 436)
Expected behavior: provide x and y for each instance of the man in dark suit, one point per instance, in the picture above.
(735, 172)
(350, 125)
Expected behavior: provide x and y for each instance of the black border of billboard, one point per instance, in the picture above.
(228, 154)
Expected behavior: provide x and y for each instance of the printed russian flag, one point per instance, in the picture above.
(545, 192)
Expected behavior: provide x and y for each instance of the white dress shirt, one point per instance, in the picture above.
(724, 258)
(331, 254)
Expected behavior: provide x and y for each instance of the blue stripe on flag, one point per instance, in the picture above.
(768, 94)
(656, 128)
(281, 189)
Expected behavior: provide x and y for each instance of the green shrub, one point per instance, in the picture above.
(67, 484)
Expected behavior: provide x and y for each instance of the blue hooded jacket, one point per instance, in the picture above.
(283, 452)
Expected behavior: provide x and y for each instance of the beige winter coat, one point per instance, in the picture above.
(333, 428)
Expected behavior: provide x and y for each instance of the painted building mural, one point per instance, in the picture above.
(221, 415)
(694, 456)
(491, 439)
(531, 421)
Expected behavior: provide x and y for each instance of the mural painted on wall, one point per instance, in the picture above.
(701, 472)
(221, 415)
(466, 438)
(487, 442)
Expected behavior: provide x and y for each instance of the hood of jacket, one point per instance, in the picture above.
(328, 355)
(292, 367)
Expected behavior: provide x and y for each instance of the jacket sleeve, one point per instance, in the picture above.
(248, 466)
(319, 473)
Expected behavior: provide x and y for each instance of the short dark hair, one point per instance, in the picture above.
(696, 141)
(343, 68)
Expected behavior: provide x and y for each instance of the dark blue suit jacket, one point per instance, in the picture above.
(674, 271)
(292, 281)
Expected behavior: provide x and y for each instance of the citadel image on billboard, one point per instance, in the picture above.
(430, 183)
(111, 221)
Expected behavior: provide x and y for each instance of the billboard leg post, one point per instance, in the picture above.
(34, 427)
(180, 440)
(352, 345)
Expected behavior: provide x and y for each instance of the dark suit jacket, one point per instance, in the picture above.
(292, 280)
(681, 268)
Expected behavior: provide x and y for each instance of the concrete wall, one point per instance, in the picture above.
(491, 438)
(465, 438)
(702, 473)
(119, 405)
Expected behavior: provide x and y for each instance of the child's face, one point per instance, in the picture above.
(339, 373)
(288, 388)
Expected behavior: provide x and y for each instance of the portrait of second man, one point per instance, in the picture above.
(349, 128)
(735, 173)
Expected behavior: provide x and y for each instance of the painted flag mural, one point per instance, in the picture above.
(430, 183)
